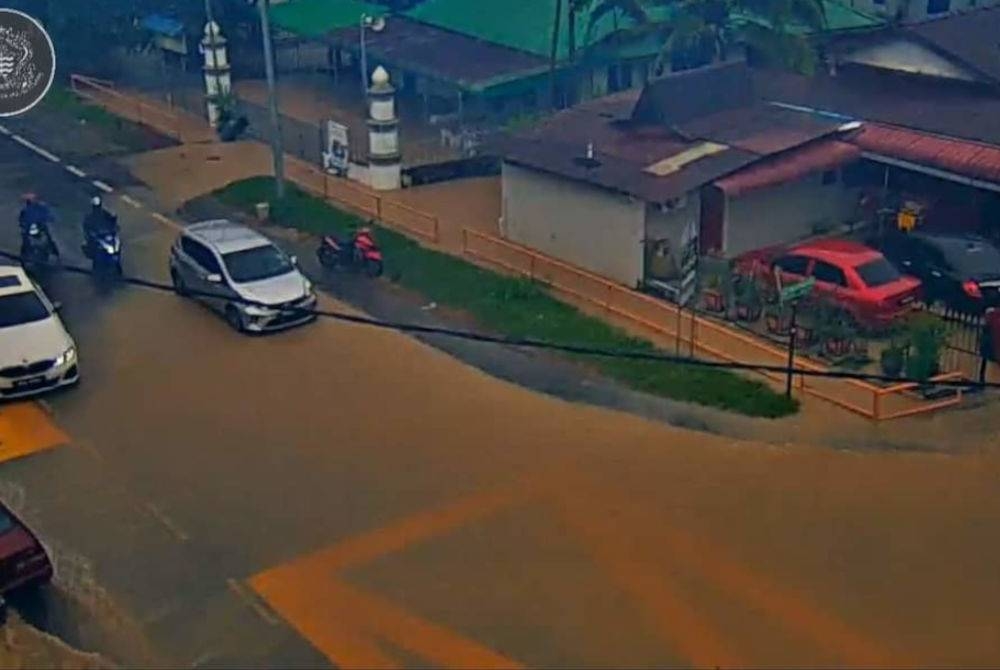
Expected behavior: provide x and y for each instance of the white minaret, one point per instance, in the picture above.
(383, 134)
(217, 76)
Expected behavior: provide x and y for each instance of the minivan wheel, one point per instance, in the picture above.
(179, 286)
(234, 319)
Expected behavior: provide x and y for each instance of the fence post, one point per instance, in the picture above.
(876, 405)
(378, 207)
(607, 303)
(465, 241)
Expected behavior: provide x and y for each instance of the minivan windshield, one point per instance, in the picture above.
(256, 264)
(878, 272)
(21, 308)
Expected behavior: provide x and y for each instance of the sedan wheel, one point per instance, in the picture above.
(179, 286)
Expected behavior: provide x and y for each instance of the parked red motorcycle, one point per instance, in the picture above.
(360, 253)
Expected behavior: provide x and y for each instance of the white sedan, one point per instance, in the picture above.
(36, 352)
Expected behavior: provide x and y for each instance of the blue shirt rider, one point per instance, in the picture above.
(35, 213)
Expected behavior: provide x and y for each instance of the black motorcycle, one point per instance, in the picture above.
(104, 250)
(36, 246)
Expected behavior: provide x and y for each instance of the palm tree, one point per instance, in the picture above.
(697, 32)
(554, 52)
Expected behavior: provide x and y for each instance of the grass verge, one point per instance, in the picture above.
(517, 307)
(119, 131)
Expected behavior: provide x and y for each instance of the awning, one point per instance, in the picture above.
(789, 166)
(163, 25)
(964, 158)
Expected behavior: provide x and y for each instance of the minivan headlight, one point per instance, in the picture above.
(254, 310)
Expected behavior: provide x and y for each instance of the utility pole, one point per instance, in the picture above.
(272, 99)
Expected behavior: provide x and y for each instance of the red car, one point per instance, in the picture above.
(23, 561)
(848, 273)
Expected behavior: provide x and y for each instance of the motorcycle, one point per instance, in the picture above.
(105, 253)
(360, 253)
(36, 246)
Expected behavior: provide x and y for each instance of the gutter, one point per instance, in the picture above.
(816, 112)
(933, 172)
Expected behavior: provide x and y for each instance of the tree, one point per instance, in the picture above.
(698, 32)
(554, 53)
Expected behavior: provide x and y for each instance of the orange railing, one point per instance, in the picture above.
(127, 106)
(692, 331)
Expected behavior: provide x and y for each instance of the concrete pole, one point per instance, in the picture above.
(364, 58)
(272, 99)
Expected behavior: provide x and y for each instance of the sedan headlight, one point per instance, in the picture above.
(66, 357)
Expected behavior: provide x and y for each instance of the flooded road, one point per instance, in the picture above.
(337, 494)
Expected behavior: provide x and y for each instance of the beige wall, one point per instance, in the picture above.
(585, 225)
(785, 213)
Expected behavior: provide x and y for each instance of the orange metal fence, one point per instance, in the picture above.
(130, 107)
(693, 332)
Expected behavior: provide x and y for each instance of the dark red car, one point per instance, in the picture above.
(23, 561)
(856, 277)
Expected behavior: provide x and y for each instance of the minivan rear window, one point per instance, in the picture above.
(878, 272)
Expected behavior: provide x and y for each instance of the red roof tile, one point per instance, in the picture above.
(969, 159)
(799, 162)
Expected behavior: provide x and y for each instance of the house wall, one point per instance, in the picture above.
(670, 225)
(786, 213)
(585, 225)
(916, 10)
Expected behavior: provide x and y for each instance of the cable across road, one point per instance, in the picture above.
(531, 343)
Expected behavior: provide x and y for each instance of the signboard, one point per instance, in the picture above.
(335, 158)
(796, 291)
(689, 264)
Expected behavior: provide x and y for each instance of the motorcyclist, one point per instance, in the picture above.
(35, 212)
(98, 221)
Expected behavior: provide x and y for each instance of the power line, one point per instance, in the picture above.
(531, 343)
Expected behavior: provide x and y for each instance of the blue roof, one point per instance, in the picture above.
(163, 25)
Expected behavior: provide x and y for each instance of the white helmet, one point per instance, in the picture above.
(96, 201)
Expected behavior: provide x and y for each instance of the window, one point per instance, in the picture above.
(257, 263)
(21, 308)
(201, 255)
(796, 265)
(829, 274)
(878, 272)
(938, 6)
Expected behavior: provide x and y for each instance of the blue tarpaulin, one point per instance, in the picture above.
(163, 25)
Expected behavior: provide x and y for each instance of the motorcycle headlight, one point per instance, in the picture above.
(34, 230)
(66, 357)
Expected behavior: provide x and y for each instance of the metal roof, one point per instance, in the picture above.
(970, 159)
(794, 164)
(163, 25)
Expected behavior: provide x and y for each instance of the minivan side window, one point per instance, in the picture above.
(201, 255)
(830, 274)
(796, 265)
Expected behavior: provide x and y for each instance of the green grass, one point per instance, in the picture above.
(518, 307)
(62, 100)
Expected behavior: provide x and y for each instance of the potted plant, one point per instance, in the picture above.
(893, 359)
(833, 326)
(749, 303)
(927, 339)
(778, 318)
(712, 296)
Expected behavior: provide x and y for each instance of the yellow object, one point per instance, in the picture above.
(25, 428)
(906, 220)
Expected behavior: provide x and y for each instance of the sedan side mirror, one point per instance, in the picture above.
(57, 306)
(294, 260)
(214, 278)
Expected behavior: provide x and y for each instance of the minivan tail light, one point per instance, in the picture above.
(971, 289)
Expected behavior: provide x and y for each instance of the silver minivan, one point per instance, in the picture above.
(241, 274)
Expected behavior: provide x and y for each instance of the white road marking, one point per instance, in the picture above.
(167, 522)
(251, 601)
(72, 169)
(101, 185)
(167, 221)
(132, 201)
(4, 130)
(28, 144)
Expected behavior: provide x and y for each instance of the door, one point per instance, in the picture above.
(713, 219)
(198, 263)
(831, 283)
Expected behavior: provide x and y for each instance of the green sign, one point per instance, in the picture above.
(796, 291)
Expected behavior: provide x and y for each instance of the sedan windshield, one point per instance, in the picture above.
(19, 308)
(256, 264)
(878, 272)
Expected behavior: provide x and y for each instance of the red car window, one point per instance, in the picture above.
(793, 264)
(830, 274)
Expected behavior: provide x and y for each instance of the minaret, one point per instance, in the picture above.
(218, 83)
(383, 134)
